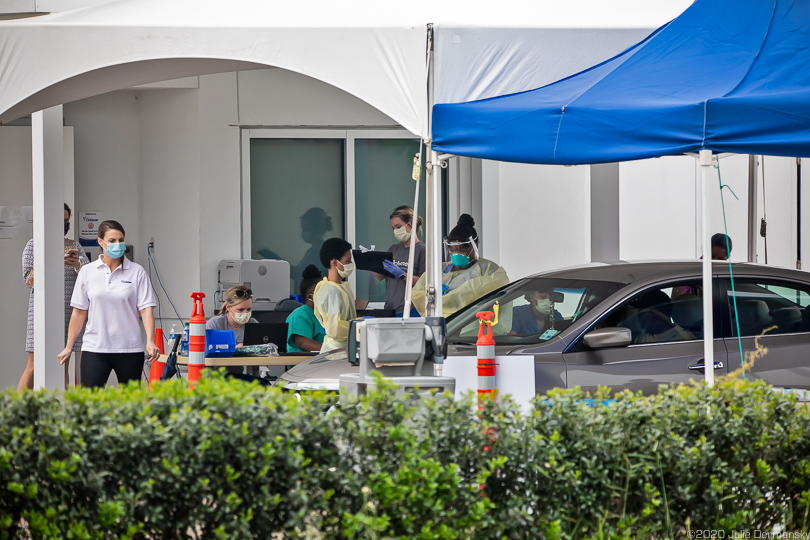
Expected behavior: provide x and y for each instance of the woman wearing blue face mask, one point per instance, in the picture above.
(111, 294)
(467, 276)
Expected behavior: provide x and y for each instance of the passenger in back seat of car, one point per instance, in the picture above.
(655, 322)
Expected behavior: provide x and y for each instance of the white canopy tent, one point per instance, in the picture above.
(394, 56)
(373, 50)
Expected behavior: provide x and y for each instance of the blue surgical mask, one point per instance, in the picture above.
(116, 251)
(462, 261)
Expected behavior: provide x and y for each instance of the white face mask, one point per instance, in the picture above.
(347, 270)
(543, 306)
(241, 318)
(402, 234)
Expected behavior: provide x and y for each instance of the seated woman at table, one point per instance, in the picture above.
(234, 315)
(304, 331)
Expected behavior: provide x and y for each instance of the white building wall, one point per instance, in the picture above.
(15, 191)
(108, 159)
(220, 173)
(779, 205)
(544, 215)
(277, 97)
(657, 209)
(170, 164)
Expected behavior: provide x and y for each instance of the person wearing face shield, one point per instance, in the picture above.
(467, 276)
(537, 317)
(405, 226)
(111, 294)
(333, 299)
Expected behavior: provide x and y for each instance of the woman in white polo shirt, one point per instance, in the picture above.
(110, 294)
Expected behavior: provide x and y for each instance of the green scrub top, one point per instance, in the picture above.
(302, 321)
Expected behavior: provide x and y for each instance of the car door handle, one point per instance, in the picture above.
(701, 367)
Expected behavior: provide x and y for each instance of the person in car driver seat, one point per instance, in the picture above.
(536, 317)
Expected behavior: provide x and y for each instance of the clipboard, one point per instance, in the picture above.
(372, 261)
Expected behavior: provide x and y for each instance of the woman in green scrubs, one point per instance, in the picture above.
(304, 332)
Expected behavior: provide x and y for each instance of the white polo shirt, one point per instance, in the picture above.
(113, 301)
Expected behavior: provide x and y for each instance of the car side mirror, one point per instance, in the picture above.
(608, 337)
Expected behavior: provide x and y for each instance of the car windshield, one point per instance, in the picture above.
(532, 310)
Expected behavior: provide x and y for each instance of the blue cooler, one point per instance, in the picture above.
(219, 343)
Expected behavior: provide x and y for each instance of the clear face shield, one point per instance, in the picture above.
(460, 253)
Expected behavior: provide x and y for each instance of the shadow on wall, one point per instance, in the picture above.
(315, 224)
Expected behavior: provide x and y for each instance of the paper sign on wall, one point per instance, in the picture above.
(16, 222)
(88, 227)
(6, 225)
(25, 227)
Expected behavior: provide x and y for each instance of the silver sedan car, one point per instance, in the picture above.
(630, 326)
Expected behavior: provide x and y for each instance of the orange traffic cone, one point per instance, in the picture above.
(486, 355)
(156, 369)
(196, 340)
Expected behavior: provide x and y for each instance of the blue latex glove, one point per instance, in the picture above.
(393, 269)
(445, 288)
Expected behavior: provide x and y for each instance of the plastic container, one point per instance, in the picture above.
(184, 343)
(219, 343)
(173, 333)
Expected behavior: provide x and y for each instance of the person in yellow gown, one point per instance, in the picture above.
(333, 298)
(467, 277)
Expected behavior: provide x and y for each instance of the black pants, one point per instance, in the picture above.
(96, 367)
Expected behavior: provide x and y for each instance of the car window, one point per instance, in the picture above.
(765, 307)
(661, 314)
(532, 310)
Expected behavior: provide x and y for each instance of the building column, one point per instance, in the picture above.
(605, 231)
(49, 277)
(489, 223)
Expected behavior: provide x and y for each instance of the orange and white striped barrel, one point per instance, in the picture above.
(196, 340)
(486, 356)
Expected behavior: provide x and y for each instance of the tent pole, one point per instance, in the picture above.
(433, 280)
(798, 213)
(753, 230)
(706, 161)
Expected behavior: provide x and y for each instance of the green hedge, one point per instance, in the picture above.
(229, 460)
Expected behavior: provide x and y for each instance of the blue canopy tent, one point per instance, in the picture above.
(724, 76)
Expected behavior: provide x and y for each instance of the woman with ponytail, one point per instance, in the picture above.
(406, 226)
(467, 276)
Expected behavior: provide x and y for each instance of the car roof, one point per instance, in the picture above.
(632, 271)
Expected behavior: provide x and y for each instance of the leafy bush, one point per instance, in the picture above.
(229, 460)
